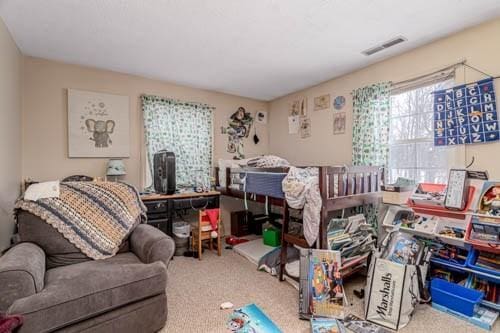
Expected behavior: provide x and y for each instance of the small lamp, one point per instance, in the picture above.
(116, 168)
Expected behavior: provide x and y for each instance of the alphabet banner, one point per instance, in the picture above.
(466, 114)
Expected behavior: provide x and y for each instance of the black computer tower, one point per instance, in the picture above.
(164, 172)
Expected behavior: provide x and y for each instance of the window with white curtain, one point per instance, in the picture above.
(412, 153)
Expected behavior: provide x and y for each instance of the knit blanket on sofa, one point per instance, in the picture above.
(94, 216)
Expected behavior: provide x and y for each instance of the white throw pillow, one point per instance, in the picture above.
(42, 190)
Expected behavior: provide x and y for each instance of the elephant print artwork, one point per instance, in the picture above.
(98, 124)
(100, 130)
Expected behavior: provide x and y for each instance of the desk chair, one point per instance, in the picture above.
(203, 231)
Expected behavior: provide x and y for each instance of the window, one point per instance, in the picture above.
(183, 128)
(412, 153)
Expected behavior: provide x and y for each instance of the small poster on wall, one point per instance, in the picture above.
(98, 124)
(261, 117)
(466, 114)
(299, 107)
(339, 123)
(293, 124)
(305, 127)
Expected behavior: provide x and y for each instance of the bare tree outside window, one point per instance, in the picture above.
(412, 153)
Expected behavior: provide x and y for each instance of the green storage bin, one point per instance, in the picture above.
(272, 237)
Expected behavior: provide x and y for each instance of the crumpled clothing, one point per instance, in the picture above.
(301, 188)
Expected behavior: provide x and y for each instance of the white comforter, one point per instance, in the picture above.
(301, 188)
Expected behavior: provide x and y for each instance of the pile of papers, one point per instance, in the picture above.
(353, 237)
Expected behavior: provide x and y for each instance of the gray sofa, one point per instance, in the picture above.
(56, 288)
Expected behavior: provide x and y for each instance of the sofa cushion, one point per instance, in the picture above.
(59, 251)
(81, 291)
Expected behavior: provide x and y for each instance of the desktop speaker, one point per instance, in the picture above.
(164, 172)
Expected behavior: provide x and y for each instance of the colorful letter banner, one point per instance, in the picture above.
(466, 114)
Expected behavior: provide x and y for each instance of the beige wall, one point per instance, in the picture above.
(45, 147)
(480, 46)
(10, 131)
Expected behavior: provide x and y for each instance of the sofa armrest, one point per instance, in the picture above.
(151, 244)
(22, 272)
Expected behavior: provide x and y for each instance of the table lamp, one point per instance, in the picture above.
(116, 168)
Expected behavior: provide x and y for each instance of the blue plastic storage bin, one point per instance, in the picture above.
(454, 262)
(471, 262)
(455, 297)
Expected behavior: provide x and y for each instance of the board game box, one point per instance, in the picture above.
(321, 292)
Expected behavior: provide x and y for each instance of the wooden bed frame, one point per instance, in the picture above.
(341, 187)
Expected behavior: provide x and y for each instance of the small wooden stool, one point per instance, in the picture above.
(203, 232)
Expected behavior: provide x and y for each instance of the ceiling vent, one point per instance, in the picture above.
(384, 46)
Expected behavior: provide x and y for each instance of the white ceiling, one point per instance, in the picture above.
(255, 48)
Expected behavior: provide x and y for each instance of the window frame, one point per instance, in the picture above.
(448, 81)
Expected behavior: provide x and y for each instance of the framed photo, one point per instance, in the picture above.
(98, 124)
(321, 102)
(339, 123)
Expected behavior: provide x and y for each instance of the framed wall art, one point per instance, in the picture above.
(321, 102)
(339, 123)
(98, 124)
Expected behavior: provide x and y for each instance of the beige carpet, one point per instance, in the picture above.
(197, 288)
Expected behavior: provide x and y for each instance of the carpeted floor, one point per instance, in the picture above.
(197, 288)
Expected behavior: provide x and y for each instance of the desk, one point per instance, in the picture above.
(161, 208)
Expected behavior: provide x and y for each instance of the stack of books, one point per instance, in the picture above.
(353, 237)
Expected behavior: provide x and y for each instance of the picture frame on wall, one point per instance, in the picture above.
(339, 122)
(322, 102)
(98, 124)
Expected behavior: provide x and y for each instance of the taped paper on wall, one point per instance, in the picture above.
(293, 124)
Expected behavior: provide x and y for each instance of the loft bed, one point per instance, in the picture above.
(341, 187)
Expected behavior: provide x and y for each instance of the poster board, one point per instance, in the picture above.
(466, 114)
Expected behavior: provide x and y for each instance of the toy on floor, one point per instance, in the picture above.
(233, 240)
(251, 319)
(226, 305)
(326, 325)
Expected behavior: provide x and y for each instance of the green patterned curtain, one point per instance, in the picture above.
(184, 129)
(370, 133)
